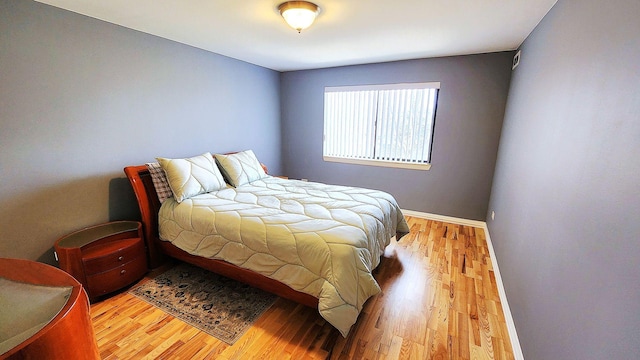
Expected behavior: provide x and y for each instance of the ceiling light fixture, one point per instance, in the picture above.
(299, 14)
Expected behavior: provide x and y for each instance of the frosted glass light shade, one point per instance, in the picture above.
(299, 14)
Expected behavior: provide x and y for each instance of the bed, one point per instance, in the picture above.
(312, 243)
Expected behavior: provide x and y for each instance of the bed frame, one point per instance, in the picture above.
(158, 250)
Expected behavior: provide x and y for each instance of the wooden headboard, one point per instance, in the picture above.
(149, 205)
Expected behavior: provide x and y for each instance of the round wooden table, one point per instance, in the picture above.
(44, 313)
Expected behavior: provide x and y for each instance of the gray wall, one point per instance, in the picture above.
(566, 190)
(81, 98)
(470, 111)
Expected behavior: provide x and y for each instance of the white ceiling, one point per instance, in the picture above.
(346, 32)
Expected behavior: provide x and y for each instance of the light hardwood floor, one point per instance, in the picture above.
(439, 300)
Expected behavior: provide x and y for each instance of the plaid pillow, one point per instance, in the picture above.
(159, 181)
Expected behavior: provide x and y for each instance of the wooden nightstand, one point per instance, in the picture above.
(105, 257)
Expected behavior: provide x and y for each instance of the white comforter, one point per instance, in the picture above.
(323, 240)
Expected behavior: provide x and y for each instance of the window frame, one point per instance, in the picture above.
(376, 162)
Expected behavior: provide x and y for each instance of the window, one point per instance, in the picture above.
(383, 125)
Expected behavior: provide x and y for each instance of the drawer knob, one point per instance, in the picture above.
(123, 271)
(120, 258)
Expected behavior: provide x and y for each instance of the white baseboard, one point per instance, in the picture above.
(511, 327)
(449, 219)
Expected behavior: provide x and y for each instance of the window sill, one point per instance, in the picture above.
(393, 164)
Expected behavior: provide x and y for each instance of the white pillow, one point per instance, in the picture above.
(240, 168)
(192, 176)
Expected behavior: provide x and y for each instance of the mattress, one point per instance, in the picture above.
(323, 240)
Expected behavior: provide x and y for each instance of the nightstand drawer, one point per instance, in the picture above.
(107, 256)
(119, 277)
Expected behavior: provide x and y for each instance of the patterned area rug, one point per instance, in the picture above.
(219, 306)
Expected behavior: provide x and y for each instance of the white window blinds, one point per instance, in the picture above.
(380, 124)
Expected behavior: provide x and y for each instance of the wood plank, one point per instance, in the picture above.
(438, 301)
